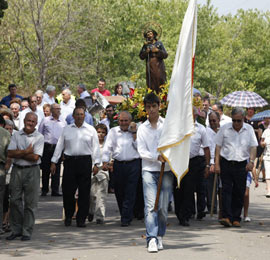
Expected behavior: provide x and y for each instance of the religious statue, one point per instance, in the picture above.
(154, 52)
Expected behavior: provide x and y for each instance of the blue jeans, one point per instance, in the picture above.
(155, 222)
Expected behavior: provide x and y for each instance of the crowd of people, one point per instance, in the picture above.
(46, 132)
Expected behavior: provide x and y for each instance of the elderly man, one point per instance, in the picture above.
(12, 90)
(51, 128)
(236, 146)
(211, 132)
(81, 89)
(4, 142)
(24, 104)
(67, 104)
(218, 107)
(102, 88)
(26, 148)
(32, 100)
(198, 166)
(121, 146)
(40, 102)
(15, 108)
(79, 142)
(49, 96)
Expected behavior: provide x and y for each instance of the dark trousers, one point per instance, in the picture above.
(77, 175)
(45, 166)
(139, 202)
(126, 177)
(233, 177)
(184, 197)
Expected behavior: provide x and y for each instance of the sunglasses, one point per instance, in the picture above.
(237, 120)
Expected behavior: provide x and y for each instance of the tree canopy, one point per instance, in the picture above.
(66, 41)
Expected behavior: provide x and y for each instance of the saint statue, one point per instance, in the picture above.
(154, 52)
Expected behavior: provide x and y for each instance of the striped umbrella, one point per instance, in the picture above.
(243, 99)
(261, 116)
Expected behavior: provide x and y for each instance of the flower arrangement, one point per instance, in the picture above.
(135, 104)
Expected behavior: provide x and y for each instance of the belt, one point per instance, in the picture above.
(76, 157)
(125, 162)
(235, 162)
(25, 166)
(50, 145)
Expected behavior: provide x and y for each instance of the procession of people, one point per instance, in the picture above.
(98, 158)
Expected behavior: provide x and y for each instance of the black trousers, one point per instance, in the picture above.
(45, 166)
(77, 175)
(184, 197)
(125, 187)
(233, 177)
(139, 202)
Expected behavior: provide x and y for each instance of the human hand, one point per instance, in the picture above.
(217, 168)
(53, 168)
(29, 149)
(155, 49)
(161, 159)
(212, 168)
(95, 170)
(249, 166)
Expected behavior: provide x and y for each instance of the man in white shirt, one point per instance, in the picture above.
(51, 127)
(122, 147)
(218, 107)
(198, 168)
(15, 108)
(67, 104)
(236, 147)
(49, 96)
(81, 89)
(40, 102)
(148, 137)
(79, 143)
(211, 132)
(32, 100)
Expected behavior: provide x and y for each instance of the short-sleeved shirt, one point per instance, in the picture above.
(20, 141)
(6, 100)
(235, 146)
(4, 142)
(266, 136)
(105, 92)
(198, 140)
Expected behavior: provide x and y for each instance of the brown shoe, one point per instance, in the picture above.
(236, 224)
(225, 222)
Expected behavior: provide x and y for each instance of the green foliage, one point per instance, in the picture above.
(72, 41)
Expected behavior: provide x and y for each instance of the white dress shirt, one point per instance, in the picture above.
(67, 108)
(20, 141)
(48, 100)
(51, 129)
(266, 136)
(211, 137)
(235, 146)
(38, 112)
(224, 120)
(76, 141)
(17, 121)
(147, 141)
(198, 140)
(120, 145)
(40, 106)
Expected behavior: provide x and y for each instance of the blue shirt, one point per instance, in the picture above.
(88, 119)
(6, 100)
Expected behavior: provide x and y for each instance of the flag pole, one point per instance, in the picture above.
(159, 186)
(213, 195)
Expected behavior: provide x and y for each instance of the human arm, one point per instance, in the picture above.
(252, 156)
(207, 159)
(217, 159)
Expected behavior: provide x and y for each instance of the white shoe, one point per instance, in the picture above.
(159, 245)
(247, 219)
(152, 246)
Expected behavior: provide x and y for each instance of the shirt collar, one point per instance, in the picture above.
(21, 132)
(83, 125)
(244, 127)
(52, 118)
(160, 120)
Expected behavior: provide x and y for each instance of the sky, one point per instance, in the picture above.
(230, 6)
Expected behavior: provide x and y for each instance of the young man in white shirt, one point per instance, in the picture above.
(147, 140)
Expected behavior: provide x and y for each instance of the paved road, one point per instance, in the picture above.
(202, 240)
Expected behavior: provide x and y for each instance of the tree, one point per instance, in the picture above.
(3, 6)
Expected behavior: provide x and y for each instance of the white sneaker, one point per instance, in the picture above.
(159, 245)
(247, 219)
(152, 246)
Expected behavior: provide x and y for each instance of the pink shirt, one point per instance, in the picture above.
(106, 92)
